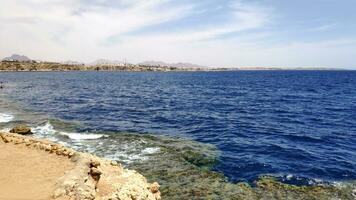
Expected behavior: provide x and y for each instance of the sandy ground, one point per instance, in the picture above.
(29, 174)
(35, 169)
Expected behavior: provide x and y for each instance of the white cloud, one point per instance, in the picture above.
(83, 21)
(242, 18)
(81, 29)
(68, 26)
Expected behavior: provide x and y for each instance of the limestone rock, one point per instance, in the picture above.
(22, 130)
(154, 187)
(94, 163)
(95, 173)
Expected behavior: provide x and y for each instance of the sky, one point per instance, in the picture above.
(219, 33)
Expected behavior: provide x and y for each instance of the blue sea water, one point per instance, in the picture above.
(300, 123)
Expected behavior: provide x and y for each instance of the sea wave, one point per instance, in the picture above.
(127, 152)
(48, 129)
(82, 136)
(4, 118)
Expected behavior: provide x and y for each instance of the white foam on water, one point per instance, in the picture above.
(6, 130)
(125, 157)
(81, 136)
(289, 176)
(46, 129)
(130, 154)
(5, 118)
(151, 150)
(126, 152)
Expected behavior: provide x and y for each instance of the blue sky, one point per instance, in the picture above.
(221, 33)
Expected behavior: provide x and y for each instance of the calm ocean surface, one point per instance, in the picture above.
(286, 123)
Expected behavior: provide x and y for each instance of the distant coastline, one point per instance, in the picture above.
(35, 66)
(55, 66)
(17, 62)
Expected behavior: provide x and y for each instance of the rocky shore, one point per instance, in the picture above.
(86, 177)
(45, 169)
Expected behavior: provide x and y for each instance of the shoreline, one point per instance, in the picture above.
(183, 71)
(129, 183)
(85, 176)
(16, 66)
(217, 70)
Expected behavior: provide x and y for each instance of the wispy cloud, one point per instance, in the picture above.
(239, 17)
(323, 27)
(93, 21)
(96, 21)
(212, 32)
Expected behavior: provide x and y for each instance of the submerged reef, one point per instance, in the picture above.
(184, 170)
(184, 167)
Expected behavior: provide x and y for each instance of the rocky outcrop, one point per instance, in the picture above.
(21, 129)
(92, 178)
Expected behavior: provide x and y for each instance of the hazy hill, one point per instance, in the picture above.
(16, 57)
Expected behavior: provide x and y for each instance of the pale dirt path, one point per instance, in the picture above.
(29, 174)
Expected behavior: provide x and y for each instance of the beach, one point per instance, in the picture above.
(28, 173)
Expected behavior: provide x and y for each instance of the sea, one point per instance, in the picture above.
(298, 126)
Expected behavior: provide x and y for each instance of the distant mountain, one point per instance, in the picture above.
(16, 57)
(107, 62)
(179, 65)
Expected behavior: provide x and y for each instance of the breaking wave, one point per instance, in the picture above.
(103, 144)
(81, 136)
(4, 118)
(48, 129)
